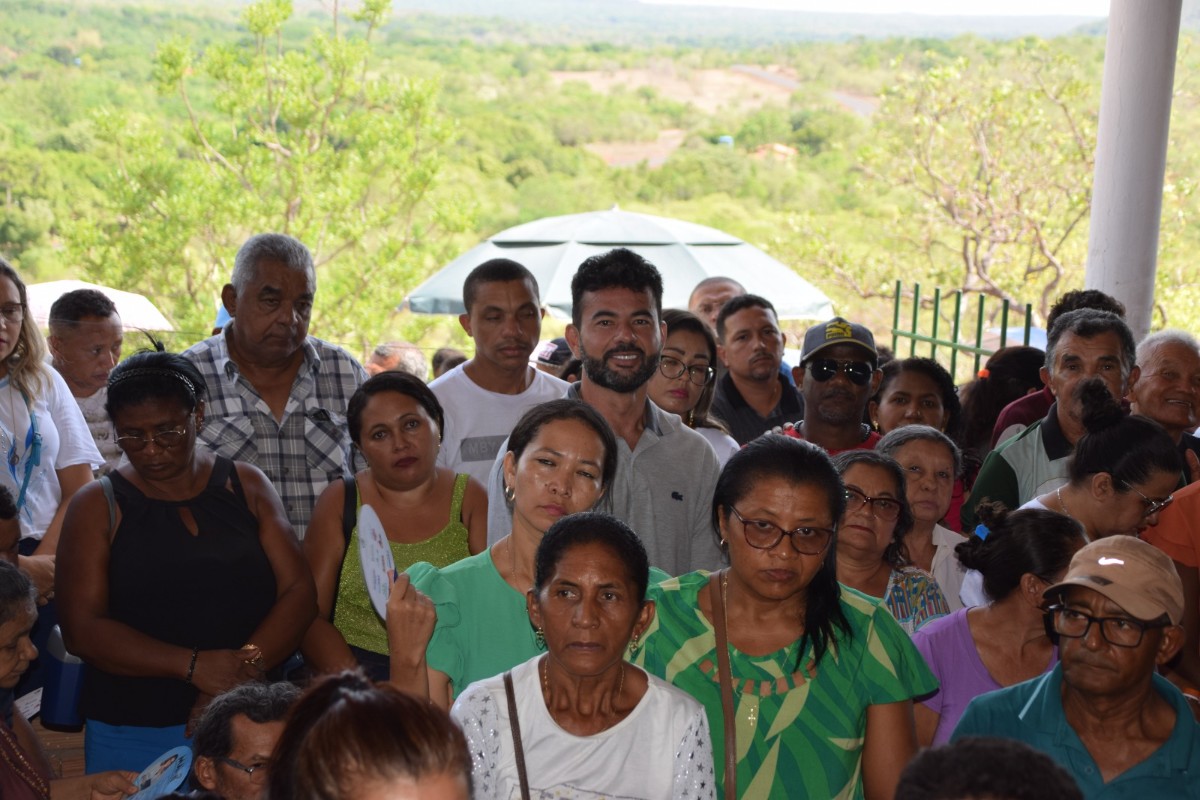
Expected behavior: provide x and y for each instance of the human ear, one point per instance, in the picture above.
(1170, 644)
(229, 299)
(206, 772)
(533, 609)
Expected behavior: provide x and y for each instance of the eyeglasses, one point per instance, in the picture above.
(1152, 506)
(763, 535)
(164, 440)
(255, 772)
(883, 507)
(857, 372)
(672, 368)
(1119, 631)
(14, 312)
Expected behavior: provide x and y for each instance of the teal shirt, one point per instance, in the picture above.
(482, 626)
(1032, 712)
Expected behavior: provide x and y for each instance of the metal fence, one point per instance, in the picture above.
(967, 322)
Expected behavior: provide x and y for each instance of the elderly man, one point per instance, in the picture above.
(1167, 389)
(752, 397)
(398, 357)
(85, 344)
(1081, 344)
(838, 374)
(484, 397)
(1104, 714)
(276, 396)
(666, 472)
(235, 737)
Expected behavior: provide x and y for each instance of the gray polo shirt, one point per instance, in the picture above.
(663, 489)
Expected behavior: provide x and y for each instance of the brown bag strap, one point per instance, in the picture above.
(726, 676)
(515, 725)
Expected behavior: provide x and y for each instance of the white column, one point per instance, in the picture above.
(1131, 152)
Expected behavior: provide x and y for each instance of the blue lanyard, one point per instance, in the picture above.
(33, 452)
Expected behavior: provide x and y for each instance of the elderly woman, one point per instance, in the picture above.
(561, 458)
(871, 556)
(1019, 554)
(930, 461)
(808, 686)
(428, 514)
(566, 717)
(180, 575)
(348, 739)
(684, 382)
(24, 770)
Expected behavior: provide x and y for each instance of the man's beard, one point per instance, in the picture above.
(624, 383)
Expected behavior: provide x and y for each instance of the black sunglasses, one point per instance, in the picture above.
(823, 369)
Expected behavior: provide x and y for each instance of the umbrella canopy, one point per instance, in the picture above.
(685, 254)
(137, 312)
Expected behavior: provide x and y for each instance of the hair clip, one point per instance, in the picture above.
(982, 531)
(983, 373)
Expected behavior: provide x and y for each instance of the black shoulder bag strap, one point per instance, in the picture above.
(515, 724)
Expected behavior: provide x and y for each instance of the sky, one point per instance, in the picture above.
(1086, 8)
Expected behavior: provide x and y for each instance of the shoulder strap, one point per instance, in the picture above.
(456, 498)
(107, 487)
(349, 508)
(515, 725)
(718, 612)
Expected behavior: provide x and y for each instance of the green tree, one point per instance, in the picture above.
(316, 141)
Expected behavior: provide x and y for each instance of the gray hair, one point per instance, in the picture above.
(1166, 336)
(16, 592)
(408, 358)
(259, 702)
(279, 247)
(905, 434)
(1087, 323)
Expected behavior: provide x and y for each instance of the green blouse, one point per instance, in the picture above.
(353, 613)
(799, 733)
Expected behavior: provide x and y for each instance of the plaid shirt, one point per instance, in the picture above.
(311, 445)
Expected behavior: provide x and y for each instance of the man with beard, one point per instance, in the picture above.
(752, 397)
(838, 374)
(666, 472)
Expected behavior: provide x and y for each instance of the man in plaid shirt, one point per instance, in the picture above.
(276, 396)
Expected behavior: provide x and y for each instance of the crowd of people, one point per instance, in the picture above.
(651, 560)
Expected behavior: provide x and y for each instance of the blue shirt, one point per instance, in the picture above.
(1032, 712)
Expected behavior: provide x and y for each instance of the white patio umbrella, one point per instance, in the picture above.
(137, 312)
(685, 254)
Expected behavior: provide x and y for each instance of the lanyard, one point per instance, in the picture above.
(33, 452)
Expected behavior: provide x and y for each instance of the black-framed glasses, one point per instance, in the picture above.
(254, 771)
(673, 368)
(1117, 631)
(823, 369)
(13, 312)
(164, 440)
(1152, 506)
(887, 508)
(764, 535)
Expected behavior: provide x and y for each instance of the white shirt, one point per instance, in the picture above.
(100, 426)
(722, 444)
(945, 568)
(661, 751)
(478, 421)
(65, 442)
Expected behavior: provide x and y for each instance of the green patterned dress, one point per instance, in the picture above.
(799, 734)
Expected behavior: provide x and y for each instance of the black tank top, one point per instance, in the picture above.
(209, 590)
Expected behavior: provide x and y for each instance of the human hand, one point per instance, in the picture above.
(218, 671)
(112, 785)
(41, 571)
(411, 617)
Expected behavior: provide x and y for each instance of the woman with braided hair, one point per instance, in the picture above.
(179, 574)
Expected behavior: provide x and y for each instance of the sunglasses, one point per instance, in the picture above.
(824, 369)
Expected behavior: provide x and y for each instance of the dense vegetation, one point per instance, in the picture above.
(141, 144)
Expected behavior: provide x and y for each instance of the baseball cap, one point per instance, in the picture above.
(553, 353)
(1134, 574)
(836, 331)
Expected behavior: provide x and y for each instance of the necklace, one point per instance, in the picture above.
(546, 686)
(512, 559)
(1063, 503)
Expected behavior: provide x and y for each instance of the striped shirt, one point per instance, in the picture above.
(304, 451)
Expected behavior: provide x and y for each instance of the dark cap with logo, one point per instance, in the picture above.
(836, 331)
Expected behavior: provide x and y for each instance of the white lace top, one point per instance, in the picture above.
(661, 751)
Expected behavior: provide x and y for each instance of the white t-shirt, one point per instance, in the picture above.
(65, 441)
(661, 751)
(722, 444)
(478, 421)
(101, 428)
